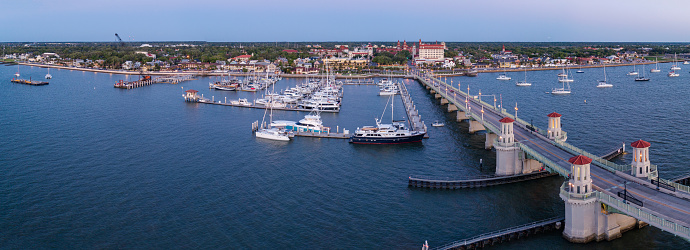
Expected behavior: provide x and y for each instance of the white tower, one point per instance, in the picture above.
(580, 204)
(507, 160)
(554, 130)
(640, 163)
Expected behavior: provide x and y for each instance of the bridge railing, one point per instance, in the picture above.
(654, 175)
(552, 165)
(564, 192)
(643, 215)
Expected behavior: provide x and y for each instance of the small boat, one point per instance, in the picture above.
(524, 83)
(642, 78)
(390, 90)
(49, 76)
(17, 74)
(656, 64)
(634, 72)
(241, 102)
(562, 90)
(438, 124)
(686, 62)
(579, 71)
(604, 83)
(673, 74)
(503, 77)
(270, 133)
(674, 66)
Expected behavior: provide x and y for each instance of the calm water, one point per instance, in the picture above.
(89, 166)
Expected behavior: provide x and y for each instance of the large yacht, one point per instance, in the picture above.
(394, 133)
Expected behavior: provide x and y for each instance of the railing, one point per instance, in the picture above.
(552, 165)
(490, 235)
(641, 214)
(564, 192)
(654, 175)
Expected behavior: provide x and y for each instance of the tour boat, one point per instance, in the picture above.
(394, 133)
(437, 124)
(524, 83)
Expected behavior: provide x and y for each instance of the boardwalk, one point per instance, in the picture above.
(669, 211)
(473, 182)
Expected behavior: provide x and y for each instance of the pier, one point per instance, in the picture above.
(472, 182)
(173, 79)
(254, 106)
(413, 116)
(513, 233)
(146, 81)
(28, 82)
(323, 135)
(614, 153)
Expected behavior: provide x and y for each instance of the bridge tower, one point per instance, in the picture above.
(581, 212)
(554, 129)
(640, 163)
(507, 152)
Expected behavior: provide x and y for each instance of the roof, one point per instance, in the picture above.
(640, 144)
(191, 91)
(290, 50)
(554, 114)
(580, 160)
(506, 120)
(243, 56)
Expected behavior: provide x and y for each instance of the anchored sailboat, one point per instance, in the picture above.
(604, 83)
(524, 83)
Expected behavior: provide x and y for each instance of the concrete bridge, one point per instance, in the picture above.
(602, 199)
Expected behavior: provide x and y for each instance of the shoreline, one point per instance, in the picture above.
(338, 76)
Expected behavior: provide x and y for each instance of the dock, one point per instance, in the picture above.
(614, 153)
(323, 135)
(28, 82)
(173, 79)
(146, 81)
(472, 182)
(513, 233)
(254, 106)
(413, 115)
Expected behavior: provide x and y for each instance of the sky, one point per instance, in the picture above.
(352, 20)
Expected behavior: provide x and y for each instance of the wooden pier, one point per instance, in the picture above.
(413, 115)
(323, 135)
(614, 153)
(146, 81)
(173, 79)
(473, 182)
(513, 233)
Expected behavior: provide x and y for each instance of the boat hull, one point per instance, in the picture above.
(391, 140)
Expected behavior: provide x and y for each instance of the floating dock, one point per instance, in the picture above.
(473, 182)
(513, 233)
(254, 106)
(323, 135)
(28, 82)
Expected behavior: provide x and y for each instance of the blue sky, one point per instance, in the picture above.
(353, 20)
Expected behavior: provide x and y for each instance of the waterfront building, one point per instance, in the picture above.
(431, 52)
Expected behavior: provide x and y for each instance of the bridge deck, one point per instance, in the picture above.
(670, 205)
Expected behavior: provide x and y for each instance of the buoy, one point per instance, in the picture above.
(585, 100)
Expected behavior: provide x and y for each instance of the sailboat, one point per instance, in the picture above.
(524, 83)
(634, 72)
(604, 83)
(49, 76)
(563, 77)
(271, 133)
(675, 63)
(17, 74)
(503, 77)
(580, 70)
(656, 64)
(642, 78)
(562, 90)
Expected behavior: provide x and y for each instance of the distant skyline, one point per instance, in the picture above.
(356, 20)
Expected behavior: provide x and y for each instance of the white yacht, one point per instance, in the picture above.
(311, 123)
(389, 90)
(564, 77)
(394, 133)
(503, 77)
(437, 124)
(686, 62)
(241, 102)
(673, 74)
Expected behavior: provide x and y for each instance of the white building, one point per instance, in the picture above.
(431, 51)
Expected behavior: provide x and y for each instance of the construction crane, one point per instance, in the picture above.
(120, 40)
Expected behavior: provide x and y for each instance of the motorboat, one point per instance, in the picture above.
(604, 84)
(241, 102)
(673, 74)
(503, 77)
(275, 134)
(311, 123)
(387, 91)
(437, 124)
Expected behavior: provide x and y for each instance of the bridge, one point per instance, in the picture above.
(593, 200)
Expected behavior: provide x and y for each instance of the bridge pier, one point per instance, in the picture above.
(437, 96)
(490, 138)
(462, 116)
(427, 86)
(444, 101)
(432, 91)
(640, 164)
(476, 126)
(452, 107)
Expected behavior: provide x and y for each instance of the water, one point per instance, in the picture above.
(89, 166)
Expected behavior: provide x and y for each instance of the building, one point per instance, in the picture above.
(432, 52)
(346, 63)
(241, 58)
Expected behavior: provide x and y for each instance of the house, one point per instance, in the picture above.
(241, 58)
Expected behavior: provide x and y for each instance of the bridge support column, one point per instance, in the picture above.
(476, 126)
(490, 138)
(432, 91)
(530, 165)
(462, 116)
(581, 210)
(427, 86)
(507, 152)
(437, 96)
(452, 107)
(444, 101)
